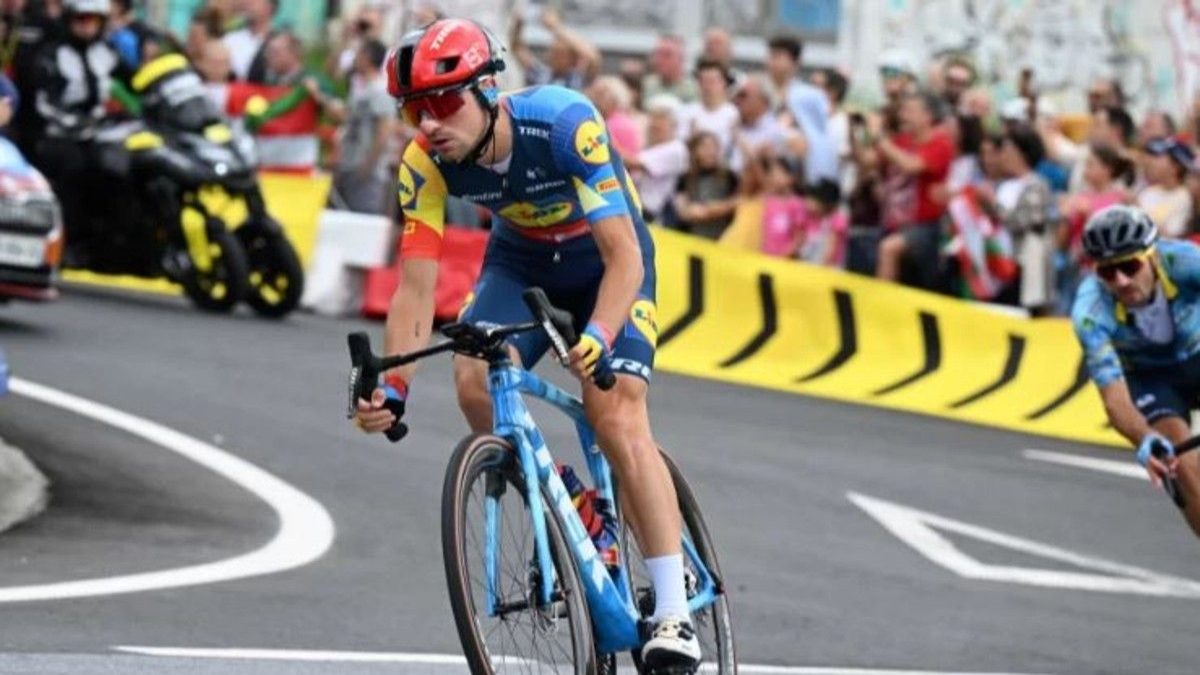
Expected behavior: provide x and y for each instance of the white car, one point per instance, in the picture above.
(31, 230)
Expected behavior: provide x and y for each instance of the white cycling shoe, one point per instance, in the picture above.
(672, 648)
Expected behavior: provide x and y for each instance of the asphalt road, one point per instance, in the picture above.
(815, 580)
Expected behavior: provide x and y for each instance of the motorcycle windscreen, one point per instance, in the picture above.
(181, 101)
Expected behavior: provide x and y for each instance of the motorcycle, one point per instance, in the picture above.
(160, 171)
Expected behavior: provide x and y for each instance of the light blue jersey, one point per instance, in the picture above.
(1113, 345)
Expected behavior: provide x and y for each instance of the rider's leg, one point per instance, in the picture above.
(648, 498)
(474, 399)
(495, 300)
(1188, 471)
(470, 381)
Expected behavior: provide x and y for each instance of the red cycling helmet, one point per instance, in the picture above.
(447, 54)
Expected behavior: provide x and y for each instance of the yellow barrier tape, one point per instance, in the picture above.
(741, 317)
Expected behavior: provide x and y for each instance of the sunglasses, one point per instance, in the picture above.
(438, 106)
(1128, 267)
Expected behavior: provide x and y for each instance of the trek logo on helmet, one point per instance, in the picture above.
(444, 33)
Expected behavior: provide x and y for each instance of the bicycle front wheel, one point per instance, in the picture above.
(713, 624)
(508, 629)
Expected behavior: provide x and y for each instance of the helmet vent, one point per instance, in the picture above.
(447, 65)
(405, 66)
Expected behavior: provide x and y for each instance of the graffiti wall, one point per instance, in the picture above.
(1151, 46)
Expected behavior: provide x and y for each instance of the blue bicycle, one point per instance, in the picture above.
(528, 590)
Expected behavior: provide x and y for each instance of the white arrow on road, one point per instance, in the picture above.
(922, 531)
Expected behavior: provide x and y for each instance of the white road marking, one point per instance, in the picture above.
(917, 529)
(1126, 468)
(447, 660)
(306, 530)
(297, 655)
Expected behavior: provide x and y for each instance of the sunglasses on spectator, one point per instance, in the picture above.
(958, 82)
(437, 106)
(1127, 266)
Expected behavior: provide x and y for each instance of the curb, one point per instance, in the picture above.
(24, 490)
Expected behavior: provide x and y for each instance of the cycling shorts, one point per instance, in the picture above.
(570, 273)
(1165, 392)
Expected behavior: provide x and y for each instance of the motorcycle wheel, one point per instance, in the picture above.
(224, 284)
(276, 278)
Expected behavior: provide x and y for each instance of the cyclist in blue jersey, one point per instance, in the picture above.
(1138, 319)
(567, 219)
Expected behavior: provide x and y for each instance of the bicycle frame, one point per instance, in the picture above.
(614, 613)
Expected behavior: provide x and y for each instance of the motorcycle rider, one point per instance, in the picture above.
(24, 27)
(74, 80)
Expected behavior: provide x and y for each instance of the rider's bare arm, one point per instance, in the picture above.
(422, 194)
(1122, 413)
(410, 316)
(623, 271)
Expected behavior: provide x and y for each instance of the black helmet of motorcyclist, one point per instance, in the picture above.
(86, 20)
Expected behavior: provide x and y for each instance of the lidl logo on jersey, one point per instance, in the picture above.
(409, 184)
(642, 316)
(591, 142)
(526, 214)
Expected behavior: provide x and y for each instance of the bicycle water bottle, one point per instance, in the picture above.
(597, 516)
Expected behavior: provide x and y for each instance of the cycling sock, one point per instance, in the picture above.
(670, 597)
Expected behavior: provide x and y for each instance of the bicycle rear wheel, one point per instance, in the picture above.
(713, 624)
(523, 636)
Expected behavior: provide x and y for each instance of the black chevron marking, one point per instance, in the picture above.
(849, 338)
(770, 323)
(695, 305)
(1016, 349)
(933, 355)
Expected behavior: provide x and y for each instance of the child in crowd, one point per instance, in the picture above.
(706, 195)
(826, 225)
(1107, 178)
(1107, 175)
(812, 228)
(783, 212)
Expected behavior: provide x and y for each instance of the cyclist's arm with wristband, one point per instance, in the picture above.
(1105, 369)
(623, 273)
(585, 155)
(410, 314)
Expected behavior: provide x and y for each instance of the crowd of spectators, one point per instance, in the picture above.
(938, 187)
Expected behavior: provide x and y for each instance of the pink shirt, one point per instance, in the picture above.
(626, 135)
(825, 238)
(783, 223)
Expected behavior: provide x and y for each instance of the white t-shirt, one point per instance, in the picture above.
(1169, 209)
(1154, 320)
(767, 131)
(243, 45)
(695, 117)
(663, 165)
